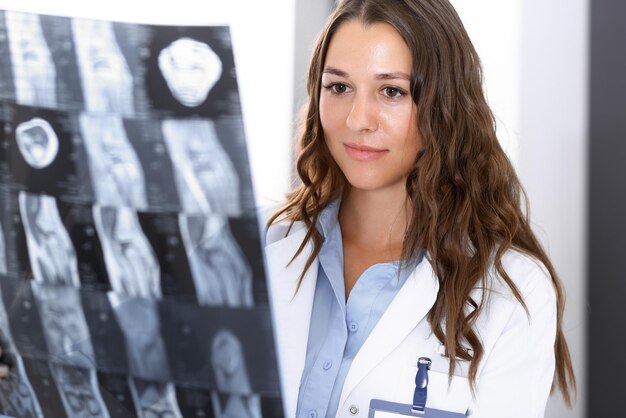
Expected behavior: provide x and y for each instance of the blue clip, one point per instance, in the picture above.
(421, 384)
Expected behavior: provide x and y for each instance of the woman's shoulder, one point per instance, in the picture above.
(527, 273)
(280, 228)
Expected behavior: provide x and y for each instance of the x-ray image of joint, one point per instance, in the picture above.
(236, 406)
(106, 78)
(52, 256)
(205, 176)
(64, 325)
(139, 321)
(37, 142)
(220, 271)
(3, 252)
(154, 400)
(130, 260)
(33, 68)
(116, 173)
(190, 69)
(16, 392)
(79, 391)
(229, 365)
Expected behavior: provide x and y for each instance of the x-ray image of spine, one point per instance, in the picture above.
(130, 261)
(116, 172)
(16, 393)
(37, 142)
(190, 69)
(79, 391)
(3, 252)
(154, 400)
(235, 399)
(221, 274)
(64, 325)
(52, 256)
(205, 177)
(139, 321)
(106, 78)
(33, 68)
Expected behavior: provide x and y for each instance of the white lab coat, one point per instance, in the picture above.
(513, 380)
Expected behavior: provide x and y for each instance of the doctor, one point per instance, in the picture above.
(407, 237)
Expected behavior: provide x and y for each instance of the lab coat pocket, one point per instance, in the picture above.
(453, 396)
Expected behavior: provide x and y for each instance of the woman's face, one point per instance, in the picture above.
(367, 113)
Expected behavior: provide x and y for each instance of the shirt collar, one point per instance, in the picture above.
(329, 218)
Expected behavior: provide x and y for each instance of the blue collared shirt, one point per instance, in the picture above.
(339, 327)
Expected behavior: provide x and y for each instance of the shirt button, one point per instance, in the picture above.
(327, 365)
(353, 409)
(312, 413)
(353, 327)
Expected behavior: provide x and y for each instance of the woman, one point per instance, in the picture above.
(406, 237)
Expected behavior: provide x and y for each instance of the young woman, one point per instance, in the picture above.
(407, 236)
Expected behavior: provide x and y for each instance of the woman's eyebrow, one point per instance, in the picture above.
(393, 76)
(335, 71)
(381, 76)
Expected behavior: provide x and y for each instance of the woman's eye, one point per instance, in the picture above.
(337, 88)
(393, 92)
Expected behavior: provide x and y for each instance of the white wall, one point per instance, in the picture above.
(553, 146)
(263, 43)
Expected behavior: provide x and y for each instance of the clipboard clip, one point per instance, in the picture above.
(421, 385)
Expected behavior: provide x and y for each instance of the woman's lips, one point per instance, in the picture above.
(363, 152)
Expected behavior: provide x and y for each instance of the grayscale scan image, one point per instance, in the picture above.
(220, 271)
(117, 176)
(34, 72)
(37, 142)
(155, 399)
(50, 250)
(78, 388)
(205, 177)
(130, 261)
(190, 69)
(132, 280)
(64, 325)
(105, 76)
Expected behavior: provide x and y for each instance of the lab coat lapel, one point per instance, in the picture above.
(408, 308)
(291, 309)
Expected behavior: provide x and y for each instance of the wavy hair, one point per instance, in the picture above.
(468, 206)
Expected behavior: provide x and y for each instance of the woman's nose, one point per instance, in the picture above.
(363, 116)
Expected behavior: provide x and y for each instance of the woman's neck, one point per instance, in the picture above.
(374, 218)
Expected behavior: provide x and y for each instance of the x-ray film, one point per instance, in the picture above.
(132, 281)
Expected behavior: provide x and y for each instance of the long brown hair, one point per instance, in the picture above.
(468, 206)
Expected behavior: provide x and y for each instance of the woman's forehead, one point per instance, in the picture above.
(359, 49)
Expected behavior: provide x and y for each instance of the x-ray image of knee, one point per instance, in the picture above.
(79, 391)
(154, 400)
(106, 78)
(221, 274)
(52, 256)
(64, 325)
(37, 142)
(205, 177)
(116, 173)
(33, 68)
(16, 393)
(130, 261)
(190, 69)
(139, 321)
(3, 252)
(235, 399)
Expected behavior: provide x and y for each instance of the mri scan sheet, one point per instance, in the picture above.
(132, 281)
